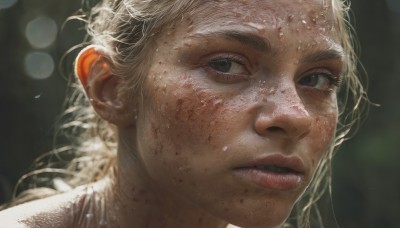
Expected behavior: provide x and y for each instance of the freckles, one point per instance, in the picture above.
(324, 131)
(197, 107)
(199, 116)
(182, 110)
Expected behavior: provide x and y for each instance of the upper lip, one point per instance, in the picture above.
(292, 162)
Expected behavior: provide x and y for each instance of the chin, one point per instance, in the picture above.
(262, 223)
(260, 215)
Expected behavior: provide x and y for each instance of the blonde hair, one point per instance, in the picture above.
(127, 29)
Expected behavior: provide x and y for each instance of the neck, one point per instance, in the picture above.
(136, 202)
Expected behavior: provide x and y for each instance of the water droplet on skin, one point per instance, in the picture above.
(280, 32)
(314, 20)
(218, 102)
(225, 148)
(304, 22)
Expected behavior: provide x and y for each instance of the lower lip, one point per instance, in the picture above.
(270, 180)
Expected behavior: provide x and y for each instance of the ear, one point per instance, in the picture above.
(92, 67)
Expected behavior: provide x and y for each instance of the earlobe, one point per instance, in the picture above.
(102, 87)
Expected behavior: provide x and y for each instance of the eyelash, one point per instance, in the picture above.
(227, 77)
(333, 80)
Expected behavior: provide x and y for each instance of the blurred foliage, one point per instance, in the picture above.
(366, 179)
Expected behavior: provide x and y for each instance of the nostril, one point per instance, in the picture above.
(276, 130)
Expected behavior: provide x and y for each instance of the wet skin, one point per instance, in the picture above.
(231, 84)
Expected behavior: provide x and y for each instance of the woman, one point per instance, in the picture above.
(220, 112)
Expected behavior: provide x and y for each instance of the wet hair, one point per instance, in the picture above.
(127, 30)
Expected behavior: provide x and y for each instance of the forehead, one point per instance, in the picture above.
(286, 24)
(268, 14)
(265, 15)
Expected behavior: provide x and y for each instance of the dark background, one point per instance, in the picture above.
(366, 179)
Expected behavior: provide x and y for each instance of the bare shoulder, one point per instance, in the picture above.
(47, 212)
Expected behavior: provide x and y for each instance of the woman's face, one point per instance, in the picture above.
(240, 105)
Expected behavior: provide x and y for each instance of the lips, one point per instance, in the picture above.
(274, 172)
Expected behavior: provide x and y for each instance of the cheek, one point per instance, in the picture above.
(186, 114)
(182, 121)
(322, 136)
(183, 129)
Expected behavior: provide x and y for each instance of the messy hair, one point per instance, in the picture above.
(127, 31)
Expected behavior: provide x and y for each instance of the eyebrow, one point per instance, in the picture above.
(246, 38)
(332, 54)
(262, 44)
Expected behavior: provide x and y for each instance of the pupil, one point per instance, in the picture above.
(311, 80)
(222, 65)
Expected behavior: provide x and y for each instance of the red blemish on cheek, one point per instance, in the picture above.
(197, 106)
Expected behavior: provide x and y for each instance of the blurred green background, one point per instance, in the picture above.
(33, 38)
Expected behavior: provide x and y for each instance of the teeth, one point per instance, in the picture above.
(275, 169)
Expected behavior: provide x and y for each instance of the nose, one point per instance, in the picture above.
(283, 117)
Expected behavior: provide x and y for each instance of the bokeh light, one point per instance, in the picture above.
(4, 4)
(39, 65)
(41, 32)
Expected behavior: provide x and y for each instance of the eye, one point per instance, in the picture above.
(320, 80)
(228, 66)
(231, 69)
